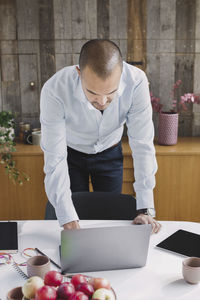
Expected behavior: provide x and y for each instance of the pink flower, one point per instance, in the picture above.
(177, 105)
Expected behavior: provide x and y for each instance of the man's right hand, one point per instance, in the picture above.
(72, 225)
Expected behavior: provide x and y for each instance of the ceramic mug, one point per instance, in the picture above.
(36, 138)
(15, 294)
(191, 269)
(38, 265)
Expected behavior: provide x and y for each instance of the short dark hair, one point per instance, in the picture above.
(101, 56)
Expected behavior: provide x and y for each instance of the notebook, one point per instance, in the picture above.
(12, 275)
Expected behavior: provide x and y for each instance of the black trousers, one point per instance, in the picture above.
(104, 168)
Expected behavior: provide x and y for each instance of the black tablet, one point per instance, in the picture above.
(8, 237)
(182, 242)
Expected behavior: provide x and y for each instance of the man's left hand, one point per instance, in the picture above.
(145, 219)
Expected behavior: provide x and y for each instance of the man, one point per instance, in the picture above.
(83, 110)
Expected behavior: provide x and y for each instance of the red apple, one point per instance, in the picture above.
(46, 293)
(77, 279)
(79, 296)
(103, 294)
(53, 278)
(86, 288)
(99, 283)
(65, 290)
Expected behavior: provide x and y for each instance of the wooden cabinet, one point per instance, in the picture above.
(25, 202)
(177, 192)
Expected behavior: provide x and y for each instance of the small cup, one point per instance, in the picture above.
(15, 294)
(34, 138)
(191, 270)
(38, 265)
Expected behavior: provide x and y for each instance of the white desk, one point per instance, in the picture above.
(160, 279)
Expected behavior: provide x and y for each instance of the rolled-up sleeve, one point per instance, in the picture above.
(141, 135)
(53, 144)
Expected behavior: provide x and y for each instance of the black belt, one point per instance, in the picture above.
(86, 154)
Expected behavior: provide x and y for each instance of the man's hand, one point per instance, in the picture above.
(145, 219)
(72, 225)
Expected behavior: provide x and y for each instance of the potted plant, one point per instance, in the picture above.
(168, 121)
(7, 146)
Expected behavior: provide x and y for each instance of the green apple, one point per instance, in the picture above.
(103, 294)
(31, 286)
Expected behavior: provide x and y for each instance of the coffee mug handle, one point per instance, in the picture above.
(30, 135)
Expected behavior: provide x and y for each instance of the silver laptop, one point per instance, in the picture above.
(104, 248)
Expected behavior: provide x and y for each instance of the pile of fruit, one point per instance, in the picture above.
(78, 288)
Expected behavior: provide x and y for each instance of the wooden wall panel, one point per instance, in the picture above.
(46, 21)
(8, 20)
(163, 35)
(167, 50)
(62, 19)
(47, 45)
(47, 60)
(184, 70)
(63, 60)
(170, 52)
(1, 102)
(28, 47)
(118, 19)
(184, 64)
(29, 96)
(11, 96)
(136, 52)
(63, 46)
(27, 19)
(9, 67)
(91, 19)
(103, 19)
(9, 47)
(78, 19)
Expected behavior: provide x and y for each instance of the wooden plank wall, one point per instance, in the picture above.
(37, 38)
(171, 44)
(136, 52)
(196, 108)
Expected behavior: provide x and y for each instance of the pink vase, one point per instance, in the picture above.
(168, 128)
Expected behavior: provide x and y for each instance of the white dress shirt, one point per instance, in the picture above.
(68, 118)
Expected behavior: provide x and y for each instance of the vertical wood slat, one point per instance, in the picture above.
(137, 32)
(103, 19)
(196, 107)
(11, 96)
(63, 60)
(118, 19)
(9, 47)
(184, 63)
(91, 19)
(47, 60)
(153, 46)
(28, 73)
(27, 19)
(167, 51)
(47, 43)
(46, 21)
(78, 19)
(1, 102)
(9, 67)
(63, 46)
(7, 20)
(62, 19)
